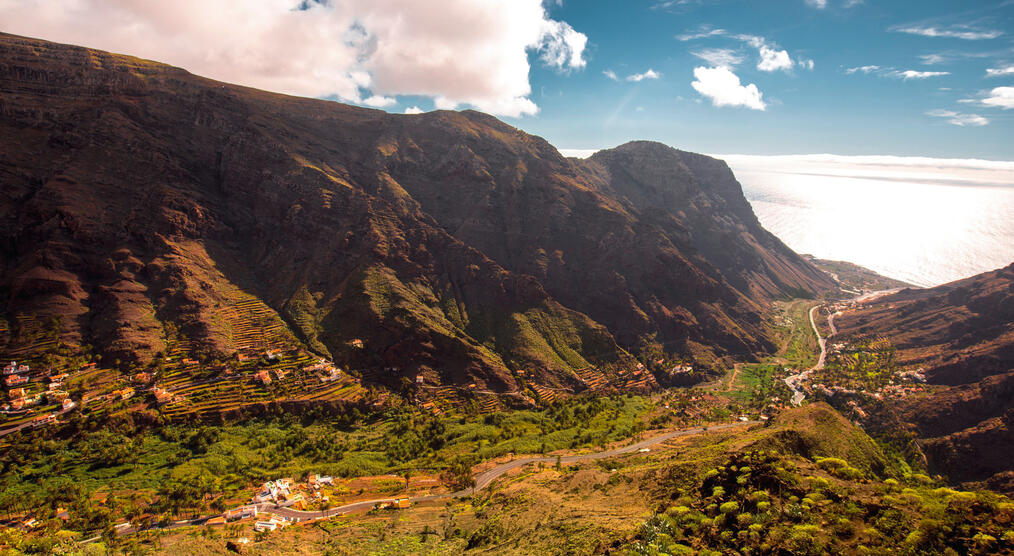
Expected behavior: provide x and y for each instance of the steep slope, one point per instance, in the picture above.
(142, 203)
(962, 335)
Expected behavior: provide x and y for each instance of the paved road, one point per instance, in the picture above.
(31, 423)
(484, 479)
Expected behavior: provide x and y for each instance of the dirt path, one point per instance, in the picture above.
(732, 379)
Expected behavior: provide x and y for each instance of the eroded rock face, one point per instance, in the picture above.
(141, 202)
(962, 335)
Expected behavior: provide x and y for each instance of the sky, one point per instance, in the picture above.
(933, 78)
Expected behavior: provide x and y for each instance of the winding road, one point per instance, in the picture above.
(482, 481)
(486, 478)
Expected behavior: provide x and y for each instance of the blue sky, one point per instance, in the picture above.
(825, 109)
(850, 77)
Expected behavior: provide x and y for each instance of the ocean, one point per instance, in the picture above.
(924, 221)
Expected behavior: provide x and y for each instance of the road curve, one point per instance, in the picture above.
(792, 381)
(484, 479)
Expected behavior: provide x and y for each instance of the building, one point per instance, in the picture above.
(68, 404)
(57, 395)
(15, 393)
(402, 503)
(264, 377)
(124, 393)
(243, 512)
(15, 379)
(265, 526)
(316, 481)
(43, 420)
(358, 344)
(162, 396)
(13, 368)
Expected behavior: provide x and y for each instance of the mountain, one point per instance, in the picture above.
(146, 210)
(962, 335)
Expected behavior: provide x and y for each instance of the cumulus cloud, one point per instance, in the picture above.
(965, 32)
(469, 52)
(819, 4)
(958, 118)
(611, 75)
(914, 74)
(414, 110)
(650, 74)
(774, 60)
(378, 101)
(1000, 97)
(723, 87)
(719, 57)
(997, 72)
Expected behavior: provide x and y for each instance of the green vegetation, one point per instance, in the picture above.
(178, 470)
(755, 385)
(763, 501)
(867, 365)
(800, 344)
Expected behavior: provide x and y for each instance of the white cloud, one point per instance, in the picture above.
(724, 88)
(958, 118)
(702, 32)
(650, 74)
(561, 45)
(819, 4)
(1000, 97)
(965, 32)
(913, 74)
(931, 59)
(996, 72)
(378, 101)
(469, 52)
(774, 60)
(719, 57)
(414, 110)
(611, 75)
(808, 64)
(862, 69)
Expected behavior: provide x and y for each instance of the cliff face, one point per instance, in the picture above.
(962, 335)
(143, 206)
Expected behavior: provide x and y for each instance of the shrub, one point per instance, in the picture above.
(729, 507)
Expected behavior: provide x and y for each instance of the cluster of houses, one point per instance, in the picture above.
(277, 492)
(285, 492)
(20, 400)
(15, 374)
(327, 371)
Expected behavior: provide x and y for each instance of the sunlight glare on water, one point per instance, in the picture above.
(926, 223)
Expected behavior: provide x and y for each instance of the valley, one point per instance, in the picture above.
(239, 321)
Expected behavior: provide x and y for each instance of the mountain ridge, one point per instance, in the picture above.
(144, 204)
